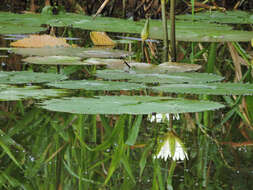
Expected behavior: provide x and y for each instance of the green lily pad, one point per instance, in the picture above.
(73, 52)
(209, 89)
(19, 29)
(54, 60)
(127, 105)
(230, 17)
(11, 93)
(97, 85)
(22, 77)
(132, 76)
(11, 23)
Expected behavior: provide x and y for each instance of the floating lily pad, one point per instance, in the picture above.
(127, 105)
(9, 28)
(10, 93)
(96, 85)
(73, 52)
(231, 17)
(212, 88)
(21, 77)
(177, 67)
(132, 76)
(11, 23)
(100, 61)
(54, 60)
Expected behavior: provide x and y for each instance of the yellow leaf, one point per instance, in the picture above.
(101, 39)
(39, 41)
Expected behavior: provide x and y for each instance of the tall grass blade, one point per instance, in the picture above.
(134, 131)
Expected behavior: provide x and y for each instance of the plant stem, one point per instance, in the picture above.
(173, 31)
(171, 172)
(165, 32)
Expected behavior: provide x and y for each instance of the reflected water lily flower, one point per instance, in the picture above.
(162, 117)
(171, 146)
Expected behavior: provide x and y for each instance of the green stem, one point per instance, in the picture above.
(173, 31)
(211, 58)
(171, 172)
(165, 32)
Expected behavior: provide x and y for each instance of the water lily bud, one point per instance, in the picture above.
(171, 146)
(145, 31)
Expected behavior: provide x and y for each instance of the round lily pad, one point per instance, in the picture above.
(132, 76)
(209, 89)
(97, 85)
(22, 77)
(11, 93)
(127, 105)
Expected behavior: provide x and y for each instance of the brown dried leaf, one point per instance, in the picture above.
(101, 39)
(39, 41)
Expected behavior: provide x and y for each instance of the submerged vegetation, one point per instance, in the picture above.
(91, 98)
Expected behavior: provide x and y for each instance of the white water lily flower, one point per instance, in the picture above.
(162, 117)
(171, 146)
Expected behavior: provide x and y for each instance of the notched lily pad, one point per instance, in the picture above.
(96, 85)
(11, 93)
(22, 77)
(133, 76)
(127, 105)
(211, 88)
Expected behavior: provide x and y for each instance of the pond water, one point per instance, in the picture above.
(97, 118)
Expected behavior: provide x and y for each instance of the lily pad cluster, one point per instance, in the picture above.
(28, 77)
(186, 31)
(8, 92)
(11, 93)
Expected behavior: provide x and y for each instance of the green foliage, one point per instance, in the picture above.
(47, 10)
